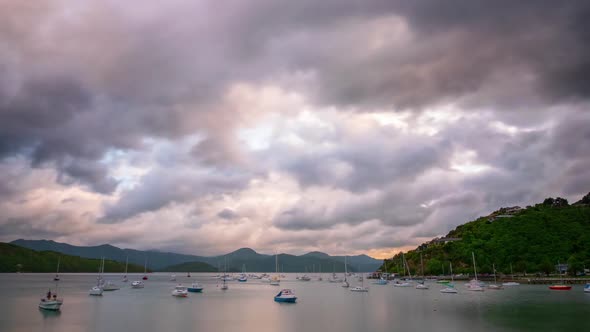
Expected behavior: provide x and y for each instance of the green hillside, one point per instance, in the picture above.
(532, 239)
(14, 258)
(190, 267)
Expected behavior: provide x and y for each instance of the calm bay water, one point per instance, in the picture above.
(249, 307)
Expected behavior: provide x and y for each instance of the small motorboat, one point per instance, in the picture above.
(243, 278)
(359, 289)
(173, 277)
(560, 287)
(125, 279)
(50, 302)
(401, 284)
(145, 278)
(188, 275)
(305, 278)
(195, 288)
(285, 295)
(587, 288)
(510, 284)
(137, 284)
(421, 285)
(381, 281)
(495, 287)
(450, 289)
(109, 286)
(95, 291)
(180, 291)
(56, 278)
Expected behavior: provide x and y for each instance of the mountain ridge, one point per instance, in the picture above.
(254, 261)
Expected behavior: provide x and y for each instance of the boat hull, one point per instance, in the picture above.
(560, 287)
(285, 300)
(50, 305)
(195, 290)
(449, 291)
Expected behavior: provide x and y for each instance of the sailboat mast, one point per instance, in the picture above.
(126, 263)
(474, 268)
(451, 267)
(422, 265)
(58, 260)
(494, 267)
(345, 269)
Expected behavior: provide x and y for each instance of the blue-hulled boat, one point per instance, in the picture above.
(195, 288)
(286, 295)
(587, 288)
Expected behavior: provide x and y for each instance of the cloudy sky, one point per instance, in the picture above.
(344, 126)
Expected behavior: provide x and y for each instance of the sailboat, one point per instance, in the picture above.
(421, 284)
(126, 263)
(345, 283)
(562, 285)
(360, 288)
(404, 283)
(51, 301)
(450, 289)
(56, 278)
(495, 286)
(510, 283)
(276, 281)
(145, 270)
(97, 290)
(474, 284)
(243, 277)
(224, 286)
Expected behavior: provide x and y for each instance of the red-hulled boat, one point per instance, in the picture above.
(560, 287)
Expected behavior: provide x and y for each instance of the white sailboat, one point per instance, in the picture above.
(495, 286)
(421, 284)
(404, 283)
(360, 288)
(51, 301)
(224, 285)
(345, 283)
(474, 284)
(450, 289)
(97, 290)
(275, 280)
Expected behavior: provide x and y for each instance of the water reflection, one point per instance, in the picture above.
(49, 314)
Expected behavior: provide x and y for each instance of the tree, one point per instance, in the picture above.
(574, 265)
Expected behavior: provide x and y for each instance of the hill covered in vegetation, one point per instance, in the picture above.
(18, 259)
(531, 239)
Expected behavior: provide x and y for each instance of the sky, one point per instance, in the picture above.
(343, 126)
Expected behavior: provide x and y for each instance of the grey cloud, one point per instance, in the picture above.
(227, 214)
(164, 186)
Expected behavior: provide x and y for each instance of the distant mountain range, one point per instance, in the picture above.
(18, 259)
(235, 261)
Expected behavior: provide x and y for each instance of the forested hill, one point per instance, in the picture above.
(19, 259)
(532, 239)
